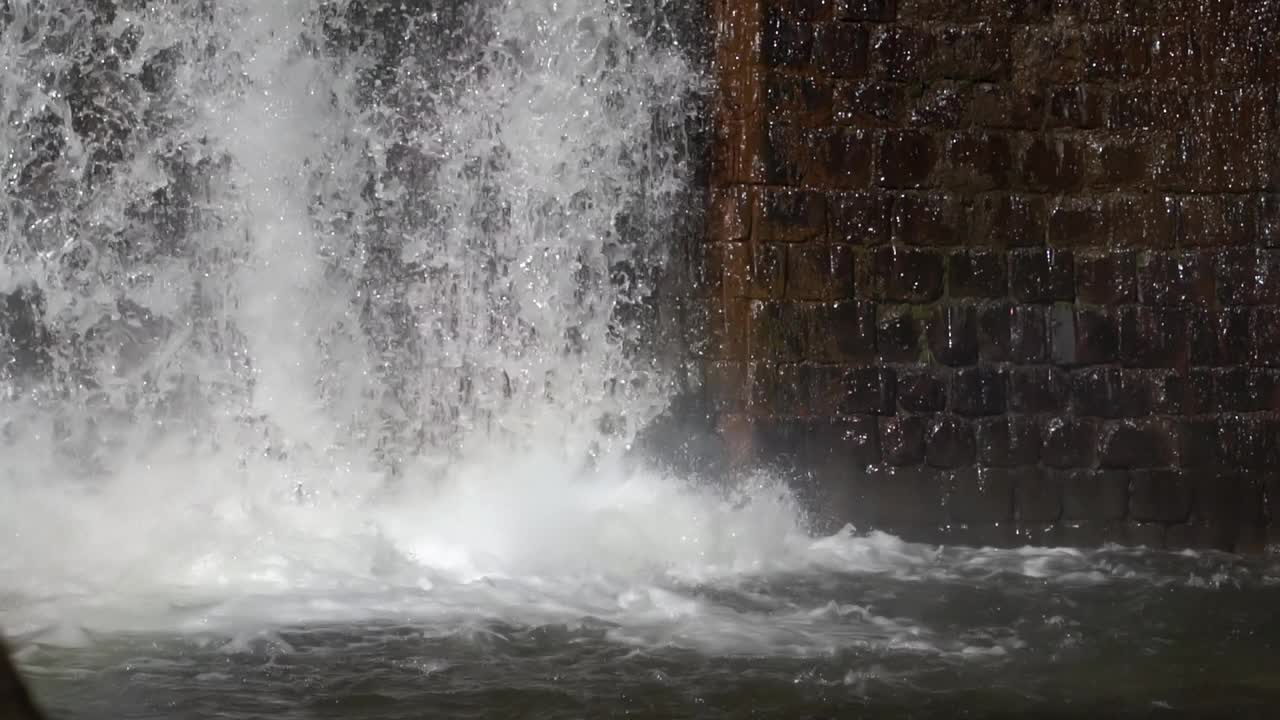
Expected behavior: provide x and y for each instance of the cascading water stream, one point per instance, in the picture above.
(326, 307)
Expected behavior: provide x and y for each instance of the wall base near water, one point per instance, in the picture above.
(1000, 271)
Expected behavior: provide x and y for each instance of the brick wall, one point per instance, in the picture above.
(1000, 271)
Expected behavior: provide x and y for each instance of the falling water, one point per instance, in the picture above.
(296, 259)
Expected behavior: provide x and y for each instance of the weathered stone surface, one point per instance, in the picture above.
(977, 274)
(1146, 443)
(1069, 442)
(902, 439)
(983, 495)
(1038, 497)
(1038, 390)
(1094, 496)
(949, 442)
(1162, 496)
(907, 275)
(921, 391)
(953, 334)
(1005, 271)
(978, 391)
(899, 334)
(1009, 441)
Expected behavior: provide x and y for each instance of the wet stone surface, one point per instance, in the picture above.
(1058, 220)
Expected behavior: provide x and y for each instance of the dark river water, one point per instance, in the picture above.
(918, 632)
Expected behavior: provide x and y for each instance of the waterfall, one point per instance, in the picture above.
(267, 266)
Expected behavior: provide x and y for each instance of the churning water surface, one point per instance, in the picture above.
(330, 328)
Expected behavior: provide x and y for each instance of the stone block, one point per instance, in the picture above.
(788, 155)
(755, 270)
(1178, 393)
(1154, 337)
(1095, 496)
(1042, 275)
(786, 43)
(1246, 442)
(843, 331)
(977, 274)
(900, 500)
(980, 495)
(1007, 106)
(1116, 163)
(1200, 536)
(1109, 392)
(1246, 276)
(788, 215)
(898, 334)
(1021, 12)
(725, 384)
(1221, 336)
(941, 105)
(841, 49)
(820, 271)
(1241, 390)
(1141, 221)
(870, 103)
(921, 391)
(840, 449)
(907, 274)
(730, 214)
(1069, 442)
(1175, 278)
(1265, 336)
(930, 219)
(904, 53)
(1078, 106)
(976, 161)
(1037, 390)
(1086, 336)
(790, 390)
(1013, 221)
(1268, 220)
(907, 159)
(1145, 535)
(1012, 333)
(859, 218)
(1049, 53)
(1077, 222)
(1228, 500)
(1198, 443)
(902, 439)
(978, 391)
(949, 442)
(773, 390)
(1037, 497)
(804, 10)
(1106, 278)
(846, 158)
(779, 443)
(800, 101)
(1215, 221)
(953, 334)
(776, 331)
(868, 391)
(1009, 441)
(1145, 443)
(873, 10)
(1053, 164)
